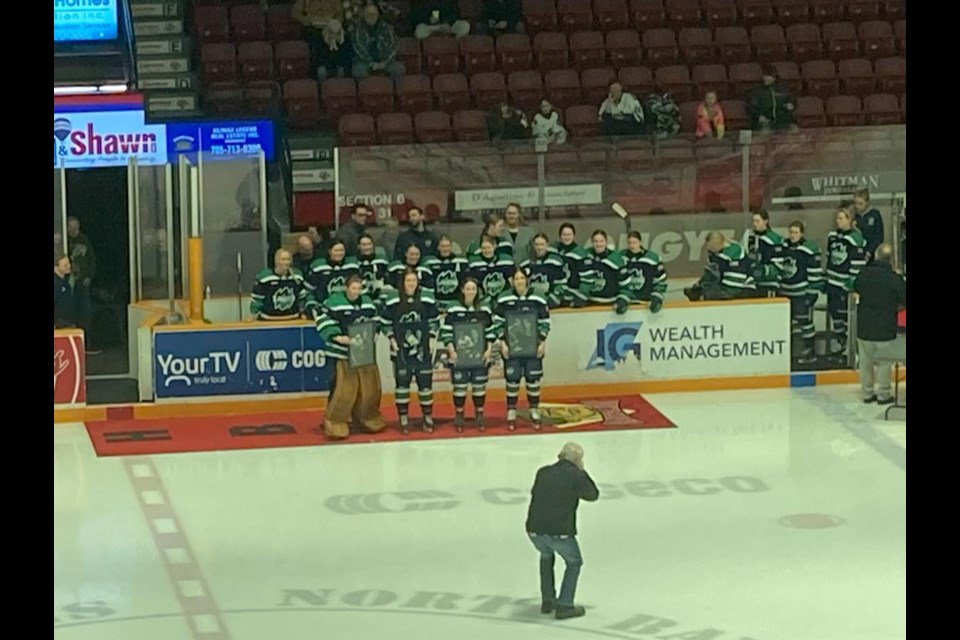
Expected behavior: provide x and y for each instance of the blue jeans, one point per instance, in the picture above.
(568, 549)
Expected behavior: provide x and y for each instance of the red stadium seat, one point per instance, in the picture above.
(735, 115)
(900, 32)
(357, 130)
(256, 60)
(757, 12)
(478, 54)
(789, 75)
(488, 89)
(595, 84)
(711, 77)
(218, 63)
(248, 23)
(840, 39)
(891, 75)
(413, 93)
(550, 51)
(697, 45)
(408, 52)
(211, 24)
(661, 46)
(877, 39)
(883, 108)
(587, 49)
(395, 128)
(810, 113)
(563, 87)
(804, 42)
(857, 77)
(224, 98)
(442, 55)
(637, 80)
(844, 111)
(648, 14)
(733, 45)
(744, 78)
(451, 92)
(721, 13)
(525, 89)
(825, 11)
(683, 13)
(293, 60)
(675, 80)
(623, 47)
(375, 95)
(769, 42)
(280, 25)
(302, 101)
(339, 96)
(433, 126)
(261, 98)
(791, 12)
(863, 10)
(820, 78)
(514, 52)
(540, 15)
(575, 15)
(582, 121)
(611, 14)
(470, 126)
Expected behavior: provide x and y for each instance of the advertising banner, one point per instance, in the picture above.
(84, 20)
(689, 341)
(69, 369)
(106, 139)
(239, 361)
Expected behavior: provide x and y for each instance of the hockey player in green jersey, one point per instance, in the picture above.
(801, 280)
(648, 279)
(765, 248)
(728, 274)
(279, 293)
(846, 256)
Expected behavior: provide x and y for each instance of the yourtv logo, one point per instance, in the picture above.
(215, 364)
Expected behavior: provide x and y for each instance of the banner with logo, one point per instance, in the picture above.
(689, 341)
(239, 362)
(69, 369)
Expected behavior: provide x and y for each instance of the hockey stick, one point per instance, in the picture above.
(621, 213)
(239, 287)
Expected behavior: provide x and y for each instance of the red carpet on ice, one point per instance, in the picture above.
(303, 428)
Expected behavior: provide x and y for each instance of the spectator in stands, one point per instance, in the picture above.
(508, 123)
(621, 114)
(279, 293)
(417, 234)
(493, 229)
(307, 252)
(771, 106)
(83, 263)
(869, 222)
(546, 125)
(518, 234)
(353, 11)
(332, 54)
(437, 18)
(352, 229)
(64, 304)
(500, 16)
(710, 117)
(881, 293)
(322, 35)
(374, 46)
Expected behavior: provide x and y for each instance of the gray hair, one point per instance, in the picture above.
(571, 452)
(884, 253)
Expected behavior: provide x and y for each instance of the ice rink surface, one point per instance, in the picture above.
(765, 515)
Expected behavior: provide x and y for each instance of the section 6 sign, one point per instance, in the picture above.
(239, 362)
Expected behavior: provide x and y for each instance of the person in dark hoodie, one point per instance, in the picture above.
(869, 222)
(64, 305)
(83, 263)
(771, 106)
(508, 123)
(417, 234)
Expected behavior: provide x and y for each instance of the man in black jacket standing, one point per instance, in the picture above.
(881, 294)
(869, 222)
(418, 234)
(552, 526)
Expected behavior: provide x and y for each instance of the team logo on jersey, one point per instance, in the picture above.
(410, 316)
(838, 253)
(337, 284)
(284, 298)
(788, 267)
(540, 283)
(599, 284)
(615, 343)
(447, 282)
(493, 283)
(637, 279)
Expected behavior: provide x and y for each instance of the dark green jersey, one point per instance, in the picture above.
(278, 297)
(800, 271)
(338, 312)
(647, 277)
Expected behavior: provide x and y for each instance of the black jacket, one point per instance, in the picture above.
(350, 232)
(870, 225)
(501, 10)
(882, 294)
(425, 240)
(420, 11)
(64, 303)
(556, 492)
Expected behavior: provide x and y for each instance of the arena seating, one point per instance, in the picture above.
(844, 60)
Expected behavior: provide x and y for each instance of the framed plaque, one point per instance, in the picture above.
(470, 341)
(362, 349)
(522, 335)
(413, 345)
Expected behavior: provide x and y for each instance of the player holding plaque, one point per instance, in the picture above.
(410, 320)
(522, 322)
(356, 389)
(467, 334)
